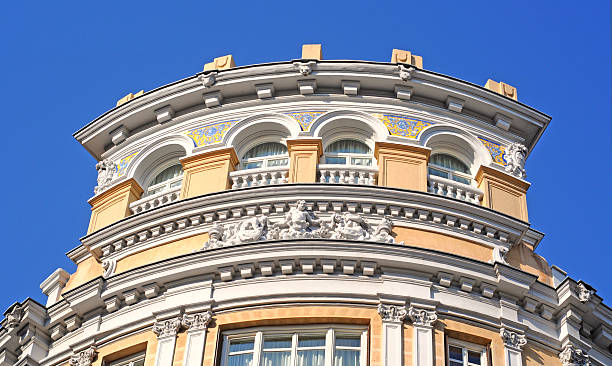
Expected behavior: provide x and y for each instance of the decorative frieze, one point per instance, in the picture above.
(512, 339)
(573, 356)
(392, 313)
(197, 321)
(167, 328)
(84, 358)
(422, 317)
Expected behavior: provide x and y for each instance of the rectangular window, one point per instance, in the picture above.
(340, 345)
(136, 359)
(466, 354)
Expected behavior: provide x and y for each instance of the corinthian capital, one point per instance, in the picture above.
(572, 356)
(392, 313)
(422, 317)
(83, 358)
(198, 321)
(512, 339)
(167, 328)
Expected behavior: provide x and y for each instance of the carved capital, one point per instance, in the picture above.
(422, 317)
(512, 339)
(198, 321)
(572, 356)
(167, 328)
(84, 358)
(392, 313)
(584, 294)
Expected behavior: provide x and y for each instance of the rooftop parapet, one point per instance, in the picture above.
(502, 88)
(406, 57)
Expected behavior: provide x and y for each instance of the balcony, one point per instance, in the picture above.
(259, 177)
(155, 200)
(450, 188)
(347, 174)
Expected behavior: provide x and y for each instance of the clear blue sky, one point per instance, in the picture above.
(64, 64)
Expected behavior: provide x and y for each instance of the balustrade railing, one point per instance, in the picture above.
(259, 177)
(454, 189)
(347, 174)
(155, 200)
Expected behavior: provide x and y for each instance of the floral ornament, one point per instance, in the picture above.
(210, 134)
(305, 119)
(498, 152)
(123, 164)
(403, 126)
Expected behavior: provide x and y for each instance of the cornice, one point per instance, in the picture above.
(236, 82)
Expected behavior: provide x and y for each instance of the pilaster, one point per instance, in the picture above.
(208, 172)
(392, 322)
(166, 331)
(513, 347)
(197, 325)
(113, 204)
(423, 320)
(503, 192)
(402, 166)
(304, 157)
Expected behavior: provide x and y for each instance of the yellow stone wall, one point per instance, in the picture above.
(303, 159)
(522, 257)
(113, 204)
(165, 251)
(86, 271)
(535, 356)
(402, 166)
(208, 172)
(503, 192)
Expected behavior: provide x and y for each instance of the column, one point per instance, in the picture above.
(402, 166)
(392, 343)
(503, 192)
(196, 325)
(208, 172)
(166, 331)
(422, 322)
(113, 204)
(304, 157)
(513, 347)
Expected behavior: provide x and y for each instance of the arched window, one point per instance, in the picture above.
(348, 152)
(449, 167)
(268, 154)
(168, 178)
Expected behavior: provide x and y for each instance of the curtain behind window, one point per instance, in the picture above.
(348, 146)
(266, 149)
(450, 162)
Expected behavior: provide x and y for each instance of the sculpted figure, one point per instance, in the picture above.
(352, 227)
(252, 229)
(382, 232)
(105, 169)
(297, 223)
(515, 157)
(215, 236)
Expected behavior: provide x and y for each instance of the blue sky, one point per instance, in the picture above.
(63, 64)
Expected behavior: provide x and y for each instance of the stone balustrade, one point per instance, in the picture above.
(259, 177)
(155, 200)
(450, 188)
(347, 174)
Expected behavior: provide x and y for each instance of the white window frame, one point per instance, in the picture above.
(166, 184)
(264, 159)
(328, 330)
(465, 347)
(348, 156)
(128, 361)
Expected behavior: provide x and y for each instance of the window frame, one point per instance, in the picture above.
(451, 173)
(349, 156)
(465, 347)
(264, 159)
(128, 360)
(329, 331)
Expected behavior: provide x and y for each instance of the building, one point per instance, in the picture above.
(312, 212)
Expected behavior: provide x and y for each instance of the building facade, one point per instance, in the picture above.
(312, 213)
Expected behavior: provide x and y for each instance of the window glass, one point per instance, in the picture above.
(266, 149)
(465, 354)
(348, 146)
(132, 360)
(449, 162)
(168, 173)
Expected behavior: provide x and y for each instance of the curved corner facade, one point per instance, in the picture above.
(312, 213)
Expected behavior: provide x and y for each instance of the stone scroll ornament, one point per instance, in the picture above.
(167, 328)
(422, 317)
(84, 358)
(392, 313)
(106, 169)
(198, 321)
(299, 223)
(515, 159)
(512, 339)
